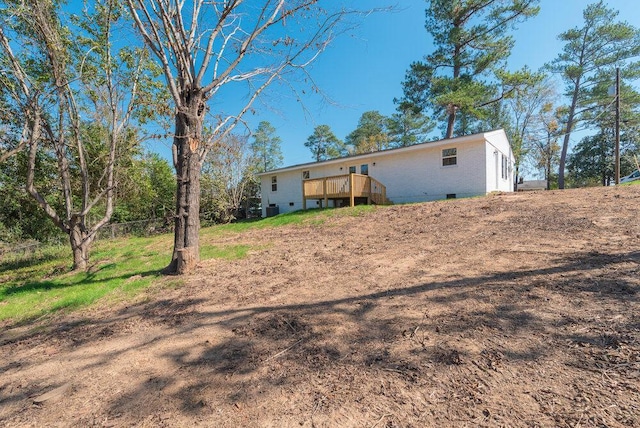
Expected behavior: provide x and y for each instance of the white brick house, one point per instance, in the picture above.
(460, 167)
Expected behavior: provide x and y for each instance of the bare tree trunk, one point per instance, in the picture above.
(457, 70)
(567, 135)
(80, 243)
(203, 47)
(548, 169)
(451, 120)
(187, 140)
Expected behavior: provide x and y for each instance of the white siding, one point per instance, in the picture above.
(497, 146)
(289, 191)
(411, 174)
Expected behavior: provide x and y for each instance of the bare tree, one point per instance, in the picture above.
(45, 90)
(228, 171)
(524, 120)
(204, 46)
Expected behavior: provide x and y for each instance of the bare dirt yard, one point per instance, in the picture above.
(517, 310)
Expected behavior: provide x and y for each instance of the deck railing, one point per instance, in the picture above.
(349, 186)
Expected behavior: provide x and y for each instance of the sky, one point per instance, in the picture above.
(363, 69)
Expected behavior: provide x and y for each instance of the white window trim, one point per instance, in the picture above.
(443, 157)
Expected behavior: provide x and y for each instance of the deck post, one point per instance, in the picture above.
(352, 200)
(324, 191)
(369, 192)
(304, 197)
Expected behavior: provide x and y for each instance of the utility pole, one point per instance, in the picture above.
(617, 168)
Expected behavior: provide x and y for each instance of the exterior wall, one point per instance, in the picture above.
(289, 191)
(412, 174)
(418, 176)
(497, 146)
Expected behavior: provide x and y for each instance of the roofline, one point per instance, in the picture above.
(461, 139)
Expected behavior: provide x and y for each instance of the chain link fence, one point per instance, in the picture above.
(115, 230)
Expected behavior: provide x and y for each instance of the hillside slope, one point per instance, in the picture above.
(509, 310)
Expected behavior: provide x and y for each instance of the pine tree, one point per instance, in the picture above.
(471, 43)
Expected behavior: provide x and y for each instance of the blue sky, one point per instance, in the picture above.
(364, 68)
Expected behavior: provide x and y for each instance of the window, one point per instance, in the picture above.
(352, 170)
(274, 184)
(305, 175)
(451, 195)
(449, 157)
(364, 169)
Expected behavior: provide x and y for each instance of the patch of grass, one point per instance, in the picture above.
(43, 285)
(630, 183)
(295, 217)
(315, 216)
(40, 283)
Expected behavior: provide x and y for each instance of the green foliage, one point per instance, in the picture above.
(407, 127)
(146, 189)
(91, 97)
(324, 144)
(40, 283)
(471, 44)
(21, 219)
(265, 148)
(371, 135)
(592, 161)
(590, 54)
(228, 184)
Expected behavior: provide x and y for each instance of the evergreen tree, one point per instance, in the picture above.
(266, 148)
(324, 144)
(471, 43)
(589, 53)
(371, 135)
(593, 159)
(407, 127)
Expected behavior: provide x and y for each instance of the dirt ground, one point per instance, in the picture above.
(517, 310)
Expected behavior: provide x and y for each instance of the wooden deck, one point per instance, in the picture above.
(345, 187)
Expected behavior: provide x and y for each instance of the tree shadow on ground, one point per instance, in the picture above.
(263, 347)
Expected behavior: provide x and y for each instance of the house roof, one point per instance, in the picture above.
(457, 140)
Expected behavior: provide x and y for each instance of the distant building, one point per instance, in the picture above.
(529, 185)
(460, 167)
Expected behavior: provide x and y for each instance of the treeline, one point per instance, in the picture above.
(83, 85)
(147, 186)
(82, 90)
(466, 86)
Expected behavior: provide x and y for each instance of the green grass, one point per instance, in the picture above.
(41, 284)
(630, 183)
(309, 217)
